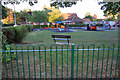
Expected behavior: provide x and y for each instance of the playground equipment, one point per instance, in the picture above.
(61, 26)
(91, 27)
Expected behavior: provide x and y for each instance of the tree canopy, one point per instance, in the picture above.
(38, 16)
(4, 12)
(110, 7)
(89, 17)
(56, 4)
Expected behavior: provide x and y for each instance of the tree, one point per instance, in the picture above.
(56, 4)
(89, 17)
(23, 15)
(110, 17)
(62, 4)
(87, 14)
(55, 15)
(38, 16)
(110, 7)
(4, 12)
(95, 16)
(9, 19)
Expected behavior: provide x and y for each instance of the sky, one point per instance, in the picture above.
(81, 8)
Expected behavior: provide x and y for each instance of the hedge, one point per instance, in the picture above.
(76, 25)
(7, 25)
(15, 34)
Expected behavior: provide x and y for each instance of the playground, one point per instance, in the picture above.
(64, 27)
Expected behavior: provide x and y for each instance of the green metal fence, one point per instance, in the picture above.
(65, 62)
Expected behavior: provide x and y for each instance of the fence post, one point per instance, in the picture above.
(72, 62)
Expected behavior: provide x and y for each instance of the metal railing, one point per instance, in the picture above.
(51, 63)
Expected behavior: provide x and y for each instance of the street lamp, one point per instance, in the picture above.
(14, 16)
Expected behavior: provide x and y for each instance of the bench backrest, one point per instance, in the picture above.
(61, 36)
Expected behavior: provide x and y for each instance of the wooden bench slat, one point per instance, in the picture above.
(61, 36)
(60, 39)
(63, 43)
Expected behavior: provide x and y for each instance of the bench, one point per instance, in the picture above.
(61, 37)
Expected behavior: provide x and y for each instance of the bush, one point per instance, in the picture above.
(29, 27)
(7, 25)
(21, 32)
(98, 24)
(6, 56)
(76, 25)
(15, 34)
(10, 34)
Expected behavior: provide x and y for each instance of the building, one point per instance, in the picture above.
(70, 17)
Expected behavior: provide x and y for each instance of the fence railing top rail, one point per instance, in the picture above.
(57, 50)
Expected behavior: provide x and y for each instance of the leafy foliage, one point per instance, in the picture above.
(89, 17)
(62, 4)
(31, 2)
(22, 16)
(15, 34)
(110, 7)
(55, 15)
(6, 55)
(56, 4)
(38, 16)
(4, 12)
(10, 17)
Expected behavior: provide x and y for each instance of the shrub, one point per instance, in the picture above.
(7, 25)
(15, 34)
(21, 32)
(29, 27)
(10, 34)
(76, 25)
(6, 56)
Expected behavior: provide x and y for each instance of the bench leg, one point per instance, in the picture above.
(68, 41)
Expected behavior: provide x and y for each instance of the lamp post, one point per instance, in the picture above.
(15, 17)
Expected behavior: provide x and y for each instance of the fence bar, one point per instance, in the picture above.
(51, 59)
(87, 63)
(34, 63)
(28, 61)
(67, 61)
(56, 61)
(117, 61)
(107, 61)
(72, 62)
(82, 60)
(5, 63)
(22, 61)
(62, 62)
(11, 62)
(17, 63)
(40, 60)
(92, 59)
(102, 59)
(62, 59)
(98, 60)
(112, 59)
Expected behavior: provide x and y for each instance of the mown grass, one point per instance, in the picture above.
(85, 37)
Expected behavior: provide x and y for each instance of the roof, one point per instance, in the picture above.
(70, 16)
(88, 20)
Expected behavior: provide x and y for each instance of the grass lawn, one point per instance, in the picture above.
(85, 37)
(64, 58)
